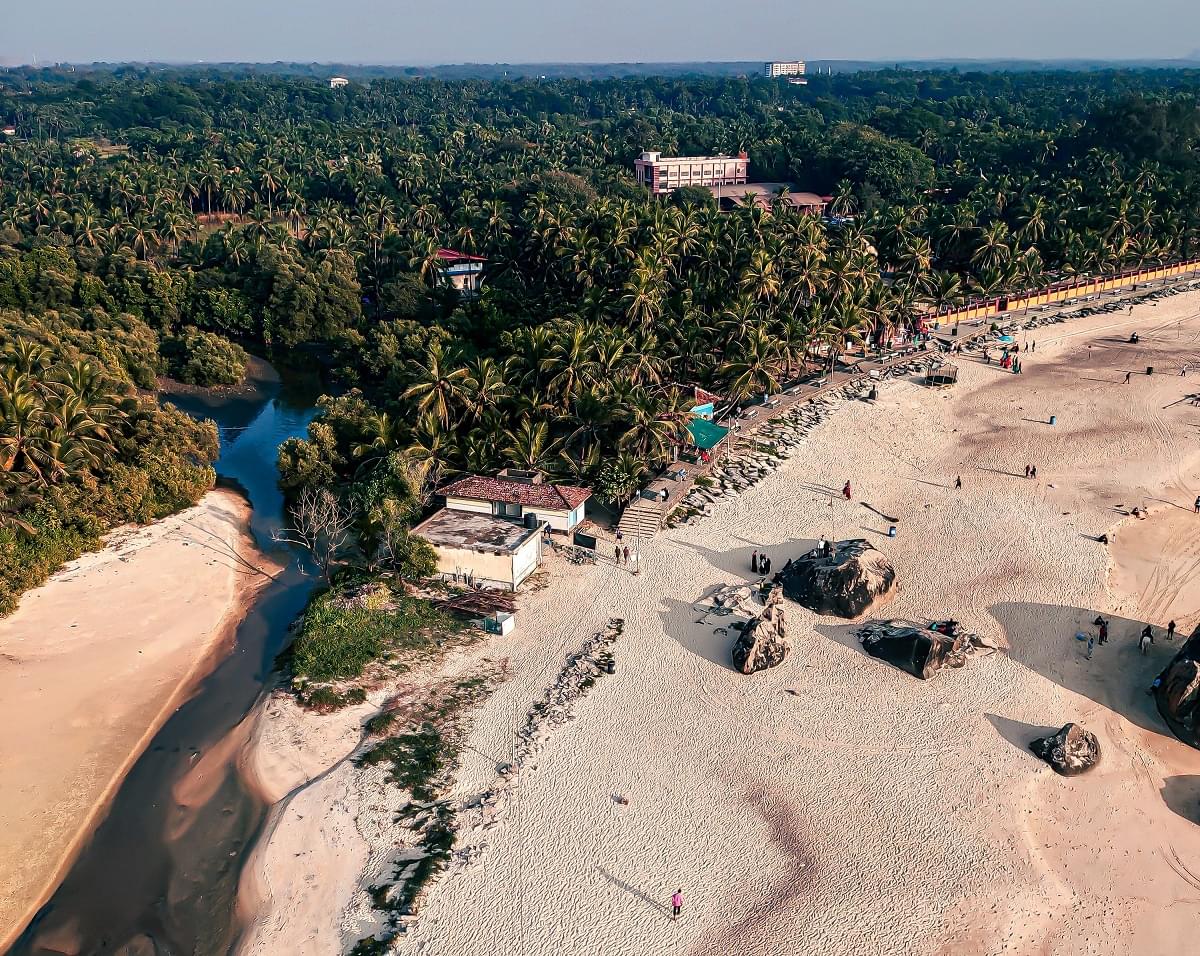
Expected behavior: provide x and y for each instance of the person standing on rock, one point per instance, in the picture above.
(754, 561)
(676, 903)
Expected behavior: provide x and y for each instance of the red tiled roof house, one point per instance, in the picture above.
(519, 496)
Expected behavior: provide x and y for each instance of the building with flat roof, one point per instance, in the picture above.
(479, 549)
(765, 194)
(784, 68)
(336, 82)
(664, 174)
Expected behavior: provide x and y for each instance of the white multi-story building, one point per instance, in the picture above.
(335, 82)
(664, 174)
(781, 68)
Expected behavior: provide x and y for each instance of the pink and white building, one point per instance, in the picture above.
(664, 174)
(463, 271)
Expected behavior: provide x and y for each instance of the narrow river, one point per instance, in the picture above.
(159, 875)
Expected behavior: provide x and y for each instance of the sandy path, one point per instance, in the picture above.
(865, 811)
(91, 664)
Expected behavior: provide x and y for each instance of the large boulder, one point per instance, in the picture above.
(845, 579)
(763, 642)
(921, 650)
(1070, 752)
(1177, 692)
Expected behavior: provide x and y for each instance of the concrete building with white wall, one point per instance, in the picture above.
(519, 496)
(480, 550)
(783, 68)
(664, 174)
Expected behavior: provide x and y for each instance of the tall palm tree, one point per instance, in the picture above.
(438, 385)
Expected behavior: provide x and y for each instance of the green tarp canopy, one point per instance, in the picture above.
(705, 434)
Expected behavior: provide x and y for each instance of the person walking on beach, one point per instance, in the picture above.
(846, 491)
(1033, 471)
(754, 562)
(958, 483)
(617, 553)
(1198, 504)
(626, 553)
(676, 903)
(1127, 377)
(1091, 646)
(1170, 630)
(1103, 631)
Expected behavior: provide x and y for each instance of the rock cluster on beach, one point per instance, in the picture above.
(763, 642)
(919, 649)
(1177, 692)
(846, 579)
(1069, 752)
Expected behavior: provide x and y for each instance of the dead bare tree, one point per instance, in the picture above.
(321, 524)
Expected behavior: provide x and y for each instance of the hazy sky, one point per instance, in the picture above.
(425, 31)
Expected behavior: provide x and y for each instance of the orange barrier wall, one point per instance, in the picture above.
(1002, 305)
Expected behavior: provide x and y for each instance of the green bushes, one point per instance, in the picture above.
(205, 359)
(339, 639)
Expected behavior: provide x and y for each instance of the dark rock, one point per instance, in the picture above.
(920, 650)
(763, 642)
(1177, 692)
(1070, 752)
(845, 580)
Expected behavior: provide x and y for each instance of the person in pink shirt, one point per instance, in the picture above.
(676, 903)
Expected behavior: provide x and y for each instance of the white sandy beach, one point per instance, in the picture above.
(866, 812)
(91, 665)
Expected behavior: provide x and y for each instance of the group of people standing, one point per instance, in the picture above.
(621, 550)
(760, 563)
(1144, 640)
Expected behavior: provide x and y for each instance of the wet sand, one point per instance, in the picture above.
(91, 665)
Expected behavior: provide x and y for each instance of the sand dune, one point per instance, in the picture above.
(835, 805)
(91, 665)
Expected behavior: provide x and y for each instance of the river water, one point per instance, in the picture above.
(159, 875)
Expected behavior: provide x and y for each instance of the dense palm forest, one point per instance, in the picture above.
(150, 219)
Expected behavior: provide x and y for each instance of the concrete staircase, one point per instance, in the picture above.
(642, 517)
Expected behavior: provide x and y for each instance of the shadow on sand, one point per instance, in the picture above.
(844, 634)
(1020, 734)
(1182, 794)
(704, 640)
(636, 893)
(737, 560)
(1118, 675)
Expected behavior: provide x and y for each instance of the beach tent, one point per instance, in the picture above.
(705, 434)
